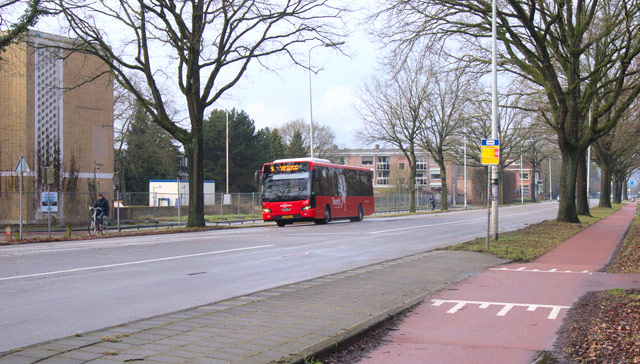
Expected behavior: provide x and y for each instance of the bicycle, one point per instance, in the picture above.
(94, 224)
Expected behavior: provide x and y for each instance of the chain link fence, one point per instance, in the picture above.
(132, 207)
(65, 208)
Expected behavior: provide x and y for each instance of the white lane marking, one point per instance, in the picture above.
(506, 306)
(524, 269)
(135, 263)
(452, 222)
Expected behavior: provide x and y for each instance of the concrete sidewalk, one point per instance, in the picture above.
(283, 324)
(509, 313)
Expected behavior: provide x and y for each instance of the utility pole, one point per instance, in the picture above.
(494, 119)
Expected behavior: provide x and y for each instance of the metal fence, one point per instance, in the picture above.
(133, 207)
(65, 208)
(399, 202)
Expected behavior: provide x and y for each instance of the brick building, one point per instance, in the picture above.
(391, 170)
(56, 109)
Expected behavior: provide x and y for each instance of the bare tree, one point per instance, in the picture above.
(200, 47)
(10, 31)
(323, 136)
(618, 155)
(514, 118)
(571, 50)
(393, 112)
(536, 140)
(445, 108)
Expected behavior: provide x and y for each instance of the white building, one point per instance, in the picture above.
(164, 192)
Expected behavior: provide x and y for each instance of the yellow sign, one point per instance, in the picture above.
(490, 152)
(288, 167)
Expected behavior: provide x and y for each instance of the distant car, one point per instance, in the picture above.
(558, 198)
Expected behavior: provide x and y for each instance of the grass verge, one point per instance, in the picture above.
(627, 259)
(602, 327)
(534, 240)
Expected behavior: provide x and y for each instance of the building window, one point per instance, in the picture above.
(434, 173)
(401, 166)
(382, 178)
(367, 160)
(383, 163)
(421, 163)
(525, 176)
(401, 181)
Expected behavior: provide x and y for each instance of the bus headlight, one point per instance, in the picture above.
(266, 210)
(308, 207)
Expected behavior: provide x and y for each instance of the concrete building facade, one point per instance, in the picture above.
(56, 109)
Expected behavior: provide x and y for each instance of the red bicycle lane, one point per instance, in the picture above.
(509, 313)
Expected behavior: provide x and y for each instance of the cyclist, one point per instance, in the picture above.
(432, 203)
(103, 205)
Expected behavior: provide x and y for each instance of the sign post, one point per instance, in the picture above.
(21, 167)
(490, 156)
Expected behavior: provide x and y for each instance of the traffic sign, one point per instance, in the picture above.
(632, 182)
(22, 165)
(490, 152)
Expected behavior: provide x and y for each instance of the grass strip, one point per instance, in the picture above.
(627, 258)
(534, 240)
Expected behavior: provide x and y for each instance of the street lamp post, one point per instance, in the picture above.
(494, 118)
(465, 172)
(521, 175)
(331, 44)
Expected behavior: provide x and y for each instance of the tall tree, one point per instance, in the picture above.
(535, 145)
(296, 147)
(572, 51)
(445, 107)
(323, 136)
(10, 31)
(200, 47)
(246, 154)
(270, 144)
(393, 112)
(150, 154)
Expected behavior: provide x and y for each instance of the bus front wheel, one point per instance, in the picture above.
(280, 223)
(327, 216)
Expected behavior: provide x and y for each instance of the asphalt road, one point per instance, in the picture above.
(52, 290)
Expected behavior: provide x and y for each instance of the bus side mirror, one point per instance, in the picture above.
(256, 176)
(316, 175)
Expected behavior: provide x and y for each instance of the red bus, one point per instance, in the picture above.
(312, 189)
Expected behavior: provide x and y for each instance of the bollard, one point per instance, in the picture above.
(7, 232)
(68, 231)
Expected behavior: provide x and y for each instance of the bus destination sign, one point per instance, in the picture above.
(288, 168)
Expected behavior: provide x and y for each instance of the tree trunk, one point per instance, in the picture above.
(412, 179)
(567, 207)
(443, 180)
(625, 195)
(412, 189)
(533, 187)
(582, 200)
(617, 190)
(605, 187)
(194, 154)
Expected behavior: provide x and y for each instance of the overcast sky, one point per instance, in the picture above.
(272, 99)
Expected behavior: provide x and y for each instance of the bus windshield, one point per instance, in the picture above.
(280, 187)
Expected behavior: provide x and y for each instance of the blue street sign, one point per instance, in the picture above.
(491, 142)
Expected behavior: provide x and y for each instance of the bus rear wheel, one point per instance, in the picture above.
(360, 215)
